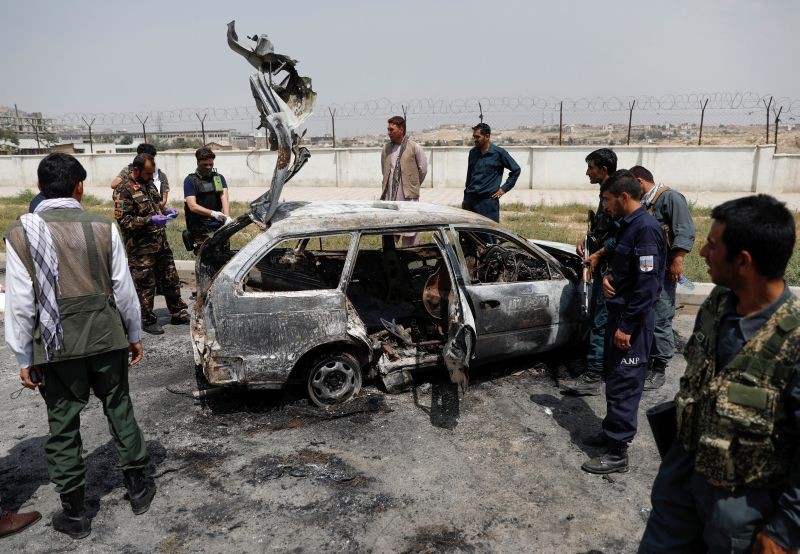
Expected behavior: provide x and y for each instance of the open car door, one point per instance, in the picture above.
(459, 348)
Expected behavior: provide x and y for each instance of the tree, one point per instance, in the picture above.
(160, 145)
(126, 139)
(9, 136)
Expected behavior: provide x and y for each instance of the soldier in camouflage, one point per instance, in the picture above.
(159, 177)
(730, 481)
(142, 218)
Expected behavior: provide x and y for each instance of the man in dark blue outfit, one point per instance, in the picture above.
(631, 291)
(600, 165)
(484, 174)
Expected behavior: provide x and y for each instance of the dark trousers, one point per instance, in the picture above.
(690, 515)
(66, 392)
(149, 269)
(487, 207)
(625, 374)
(597, 333)
(663, 338)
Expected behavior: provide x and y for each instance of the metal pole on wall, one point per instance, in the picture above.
(202, 126)
(560, 121)
(405, 114)
(766, 141)
(630, 119)
(702, 116)
(144, 131)
(16, 118)
(91, 141)
(333, 125)
(777, 120)
(38, 145)
(480, 112)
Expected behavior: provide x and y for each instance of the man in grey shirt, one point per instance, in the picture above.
(671, 210)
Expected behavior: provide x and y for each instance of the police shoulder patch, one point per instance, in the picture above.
(646, 263)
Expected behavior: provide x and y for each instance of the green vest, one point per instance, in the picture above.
(89, 317)
(735, 420)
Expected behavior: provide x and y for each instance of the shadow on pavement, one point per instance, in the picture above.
(102, 475)
(24, 470)
(573, 414)
(445, 408)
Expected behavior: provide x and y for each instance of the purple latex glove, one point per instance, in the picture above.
(159, 220)
(171, 213)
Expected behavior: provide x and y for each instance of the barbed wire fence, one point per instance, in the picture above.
(701, 109)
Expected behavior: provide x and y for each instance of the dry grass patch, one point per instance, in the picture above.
(565, 223)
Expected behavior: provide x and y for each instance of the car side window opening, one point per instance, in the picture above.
(300, 264)
(494, 258)
(400, 293)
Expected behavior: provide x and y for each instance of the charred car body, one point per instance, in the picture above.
(319, 292)
(323, 295)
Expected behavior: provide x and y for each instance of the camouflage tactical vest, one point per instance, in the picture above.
(89, 316)
(735, 420)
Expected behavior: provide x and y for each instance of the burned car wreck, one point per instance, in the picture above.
(322, 295)
(319, 292)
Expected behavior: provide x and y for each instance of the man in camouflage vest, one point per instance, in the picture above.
(730, 482)
(72, 319)
(142, 218)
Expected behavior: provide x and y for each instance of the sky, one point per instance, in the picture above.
(92, 56)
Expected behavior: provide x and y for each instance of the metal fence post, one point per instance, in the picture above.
(702, 117)
(630, 119)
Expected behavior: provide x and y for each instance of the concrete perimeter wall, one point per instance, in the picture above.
(689, 168)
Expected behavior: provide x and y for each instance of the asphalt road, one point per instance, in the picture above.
(496, 469)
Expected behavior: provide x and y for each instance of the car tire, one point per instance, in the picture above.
(333, 378)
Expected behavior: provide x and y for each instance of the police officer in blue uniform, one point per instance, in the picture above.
(631, 291)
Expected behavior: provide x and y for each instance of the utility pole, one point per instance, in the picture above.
(38, 144)
(144, 131)
(560, 121)
(630, 120)
(333, 125)
(202, 126)
(89, 125)
(16, 114)
(702, 117)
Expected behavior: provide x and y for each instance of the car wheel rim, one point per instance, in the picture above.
(333, 381)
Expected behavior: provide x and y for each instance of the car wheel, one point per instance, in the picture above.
(334, 378)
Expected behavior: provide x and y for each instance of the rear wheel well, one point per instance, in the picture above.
(360, 353)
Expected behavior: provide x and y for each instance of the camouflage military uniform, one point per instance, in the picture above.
(149, 254)
(733, 469)
(125, 175)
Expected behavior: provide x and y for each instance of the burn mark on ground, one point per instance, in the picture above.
(252, 413)
(311, 464)
(200, 462)
(437, 538)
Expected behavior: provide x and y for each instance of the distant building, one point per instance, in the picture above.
(219, 145)
(96, 148)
